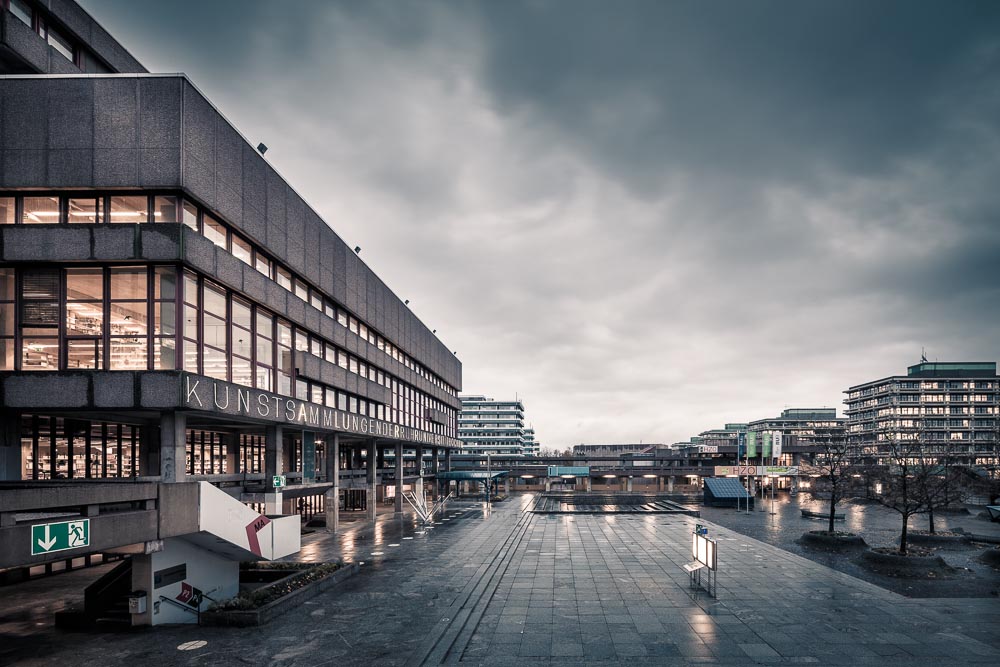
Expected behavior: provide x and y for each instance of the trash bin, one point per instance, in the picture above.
(137, 602)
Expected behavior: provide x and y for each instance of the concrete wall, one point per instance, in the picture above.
(159, 132)
(74, 21)
(215, 576)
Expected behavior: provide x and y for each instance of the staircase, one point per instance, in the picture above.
(105, 603)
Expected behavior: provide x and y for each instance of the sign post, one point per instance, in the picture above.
(49, 537)
(278, 481)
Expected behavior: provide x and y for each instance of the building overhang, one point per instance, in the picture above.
(147, 391)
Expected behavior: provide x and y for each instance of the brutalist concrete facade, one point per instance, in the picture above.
(66, 133)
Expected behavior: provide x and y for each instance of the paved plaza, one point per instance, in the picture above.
(508, 587)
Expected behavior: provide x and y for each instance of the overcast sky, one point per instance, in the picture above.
(644, 218)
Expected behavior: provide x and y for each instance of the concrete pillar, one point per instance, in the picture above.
(173, 446)
(447, 460)
(670, 484)
(274, 462)
(380, 458)
(590, 484)
(399, 478)
(149, 450)
(548, 484)
(506, 485)
(331, 502)
(371, 479)
(231, 441)
(420, 461)
(628, 484)
(10, 447)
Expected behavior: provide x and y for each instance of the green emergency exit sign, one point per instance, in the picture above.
(49, 537)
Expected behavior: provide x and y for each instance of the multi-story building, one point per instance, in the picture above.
(173, 313)
(951, 408)
(727, 436)
(805, 426)
(531, 446)
(488, 426)
(613, 449)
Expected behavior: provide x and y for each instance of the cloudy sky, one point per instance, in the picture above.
(643, 218)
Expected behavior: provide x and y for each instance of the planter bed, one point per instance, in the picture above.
(991, 557)
(937, 539)
(835, 541)
(917, 564)
(236, 617)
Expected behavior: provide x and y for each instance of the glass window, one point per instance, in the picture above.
(342, 359)
(166, 209)
(128, 283)
(6, 319)
(84, 353)
(301, 340)
(84, 210)
(128, 319)
(241, 313)
(262, 264)
(85, 303)
(331, 353)
(22, 10)
(241, 250)
(315, 300)
(190, 215)
(363, 331)
(7, 214)
(341, 318)
(129, 209)
(215, 363)
(40, 210)
(215, 231)
(284, 278)
(301, 290)
(352, 324)
(329, 310)
(61, 44)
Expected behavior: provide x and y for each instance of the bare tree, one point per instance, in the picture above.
(902, 470)
(833, 467)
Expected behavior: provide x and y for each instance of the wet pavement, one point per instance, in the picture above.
(509, 587)
(880, 527)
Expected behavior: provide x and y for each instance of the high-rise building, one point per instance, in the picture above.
(951, 408)
(173, 312)
(488, 426)
(531, 446)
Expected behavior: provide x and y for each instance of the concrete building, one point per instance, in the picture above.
(613, 449)
(531, 446)
(727, 436)
(489, 426)
(173, 313)
(952, 408)
(804, 426)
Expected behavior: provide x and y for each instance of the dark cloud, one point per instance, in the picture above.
(646, 218)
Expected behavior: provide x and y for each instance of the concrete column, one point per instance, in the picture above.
(399, 478)
(447, 460)
(331, 502)
(380, 458)
(548, 484)
(506, 485)
(232, 444)
(670, 484)
(173, 446)
(149, 450)
(10, 447)
(590, 484)
(371, 482)
(274, 464)
(420, 461)
(628, 484)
